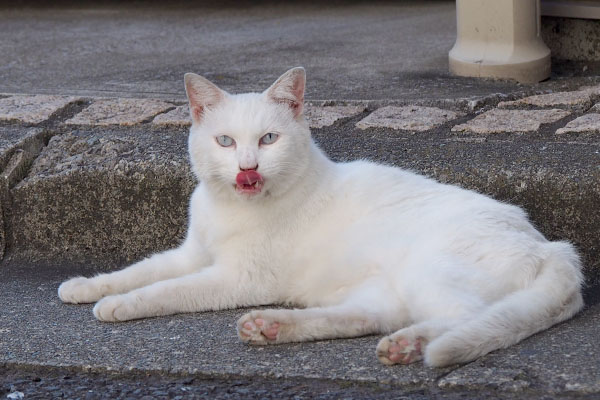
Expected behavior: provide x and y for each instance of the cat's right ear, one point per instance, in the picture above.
(201, 94)
(289, 90)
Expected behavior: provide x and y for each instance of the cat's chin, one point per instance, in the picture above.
(249, 190)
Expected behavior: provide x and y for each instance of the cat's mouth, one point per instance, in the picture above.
(249, 182)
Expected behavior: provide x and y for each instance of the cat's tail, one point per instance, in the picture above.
(554, 296)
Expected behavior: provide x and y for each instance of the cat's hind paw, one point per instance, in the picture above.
(256, 330)
(400, 349)
(79, 290)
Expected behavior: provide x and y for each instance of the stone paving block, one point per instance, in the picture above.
(119, 112)
(32, 109)
(588, 123)
(506, 121)
(321, 116)
(179, 116)
(578, 99)
(409, 118)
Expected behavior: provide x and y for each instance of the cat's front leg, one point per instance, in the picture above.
(211, 289)
(166, 265)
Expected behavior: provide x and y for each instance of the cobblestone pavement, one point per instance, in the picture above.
(576, 109)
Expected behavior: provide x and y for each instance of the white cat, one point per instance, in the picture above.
(362, 248)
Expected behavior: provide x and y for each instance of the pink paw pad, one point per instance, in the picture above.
(404, 351)
(270, 331)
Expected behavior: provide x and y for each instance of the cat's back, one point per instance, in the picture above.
(386, 192)
(372, 185)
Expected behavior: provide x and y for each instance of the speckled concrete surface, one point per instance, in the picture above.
(566, 358)
(572, 38)
(352, 50)
(108, 196)
(37, 329)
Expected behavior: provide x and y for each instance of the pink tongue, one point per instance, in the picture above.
(248, 178)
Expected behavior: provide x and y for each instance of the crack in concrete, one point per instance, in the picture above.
(56, 119)
(19, 159)
(151, 118)
(16, 168)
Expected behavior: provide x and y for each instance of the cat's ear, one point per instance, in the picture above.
(289, 90)
(201, 94)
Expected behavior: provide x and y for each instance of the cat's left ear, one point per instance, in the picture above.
(289, 90)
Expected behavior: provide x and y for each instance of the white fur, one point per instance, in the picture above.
(359, 247)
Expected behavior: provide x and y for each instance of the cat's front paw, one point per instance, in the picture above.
(79, 290)
(116, 308)
(258, 329)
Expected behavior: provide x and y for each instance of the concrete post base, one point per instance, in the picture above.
(500, 39)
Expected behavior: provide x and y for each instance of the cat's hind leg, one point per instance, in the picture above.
(438, 309)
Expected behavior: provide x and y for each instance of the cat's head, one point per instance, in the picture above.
(250, 145)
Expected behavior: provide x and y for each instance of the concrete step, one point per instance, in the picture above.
(107, 181)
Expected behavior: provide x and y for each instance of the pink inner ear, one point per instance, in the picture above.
(296, 108)
(197, 111)
(289, 90)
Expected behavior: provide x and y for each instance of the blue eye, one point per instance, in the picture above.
(225, 141)
(269, 138)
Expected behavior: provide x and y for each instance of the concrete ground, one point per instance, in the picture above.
(61, 173)
(351, 50)
(37, 330)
